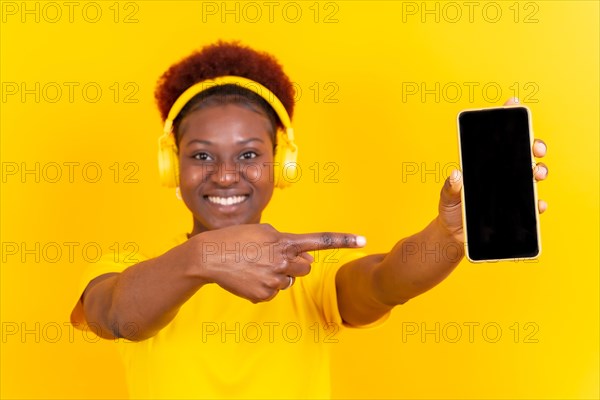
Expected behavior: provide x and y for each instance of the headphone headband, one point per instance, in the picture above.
(245, 83)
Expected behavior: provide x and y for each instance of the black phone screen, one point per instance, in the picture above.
(499, 195)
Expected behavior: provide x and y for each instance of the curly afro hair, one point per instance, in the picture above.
(219, 59)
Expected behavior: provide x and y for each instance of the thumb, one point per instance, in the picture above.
(451, 191)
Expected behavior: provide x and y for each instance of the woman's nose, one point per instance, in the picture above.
(226, 173)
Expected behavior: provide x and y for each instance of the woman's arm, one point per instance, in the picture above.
(370, 287)
(138, 302)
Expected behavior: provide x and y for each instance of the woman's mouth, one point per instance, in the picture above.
(226, 201)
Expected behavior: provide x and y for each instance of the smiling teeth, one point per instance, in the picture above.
(226, 201)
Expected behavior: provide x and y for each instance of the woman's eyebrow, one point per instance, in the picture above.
(206, 142)
(209, 143)
(246, 141)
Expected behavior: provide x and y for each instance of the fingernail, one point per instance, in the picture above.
(454, 176)
(516, 100)
(542, 145)
(361, 241)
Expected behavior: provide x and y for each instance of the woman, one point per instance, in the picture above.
(191, 330)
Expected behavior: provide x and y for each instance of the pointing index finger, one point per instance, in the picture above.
(325, 240)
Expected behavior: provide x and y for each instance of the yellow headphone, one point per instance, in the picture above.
(286, 152)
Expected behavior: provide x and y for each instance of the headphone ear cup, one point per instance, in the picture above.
(277, 168)
(168, 162)
(285, 166)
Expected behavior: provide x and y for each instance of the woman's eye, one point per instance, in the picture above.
(248, 155)
(201, 157)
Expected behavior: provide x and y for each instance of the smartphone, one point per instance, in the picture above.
(500, 212)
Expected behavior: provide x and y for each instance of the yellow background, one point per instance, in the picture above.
(350, 62)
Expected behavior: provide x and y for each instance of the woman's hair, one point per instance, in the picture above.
(220, 59)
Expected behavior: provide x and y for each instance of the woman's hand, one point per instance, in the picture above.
(450, 212)
(256, 261)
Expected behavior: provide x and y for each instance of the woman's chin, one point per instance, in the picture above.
(201, 225)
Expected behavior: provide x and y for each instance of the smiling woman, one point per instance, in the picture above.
(222, 314)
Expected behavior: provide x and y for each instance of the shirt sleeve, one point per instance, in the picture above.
(324, 291)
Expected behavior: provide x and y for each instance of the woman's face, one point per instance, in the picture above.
(225, 165)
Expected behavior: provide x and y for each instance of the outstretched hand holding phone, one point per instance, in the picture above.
(416, 263)
(499, 197)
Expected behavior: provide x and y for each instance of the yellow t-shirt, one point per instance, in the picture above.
(222, 346)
